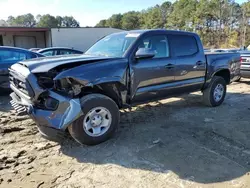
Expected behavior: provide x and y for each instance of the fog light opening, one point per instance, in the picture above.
(51, 103)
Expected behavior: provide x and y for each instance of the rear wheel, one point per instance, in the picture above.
(215, 94)
(99, 120)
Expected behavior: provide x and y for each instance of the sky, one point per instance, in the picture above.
(87, 12)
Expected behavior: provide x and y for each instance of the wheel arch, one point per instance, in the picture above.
(224, 73)
(114, 90)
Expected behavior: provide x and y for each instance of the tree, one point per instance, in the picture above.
(26, 20)
(115, 21)
(102, 23)
(48, 21)
(10, 20)
(38, 17)
(154, 18)
(3, 23)
(245, 24)
(130, 20)
(166, 10)
(59, 21)
(183, 16)
(69, 21)
(220, 23)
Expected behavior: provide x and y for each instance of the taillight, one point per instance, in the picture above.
(241, 60)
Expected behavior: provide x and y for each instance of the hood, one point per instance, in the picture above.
(40, 65)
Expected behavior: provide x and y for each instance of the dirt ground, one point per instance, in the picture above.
(177, 142)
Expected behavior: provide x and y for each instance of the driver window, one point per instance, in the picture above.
(157, 43)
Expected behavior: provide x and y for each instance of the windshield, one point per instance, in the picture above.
(114, 45)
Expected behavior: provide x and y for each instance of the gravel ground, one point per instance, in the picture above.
(177, 142)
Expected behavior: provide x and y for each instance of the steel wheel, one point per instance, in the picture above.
(97, 121)
(218, 92)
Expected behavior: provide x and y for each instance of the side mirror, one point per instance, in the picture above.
(144, 53)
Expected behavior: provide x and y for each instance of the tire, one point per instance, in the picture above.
(97, 108)
(208, 94)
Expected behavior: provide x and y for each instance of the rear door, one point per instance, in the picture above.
(190, 62)
(152, 75)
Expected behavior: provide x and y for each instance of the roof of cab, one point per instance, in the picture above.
(157, 30)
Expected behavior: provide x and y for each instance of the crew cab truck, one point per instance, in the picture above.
(82, 94)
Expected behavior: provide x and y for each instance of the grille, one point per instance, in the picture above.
(20, 83)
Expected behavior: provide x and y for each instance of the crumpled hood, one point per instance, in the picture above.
(44, 64)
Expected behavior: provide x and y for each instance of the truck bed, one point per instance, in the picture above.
(219, 58)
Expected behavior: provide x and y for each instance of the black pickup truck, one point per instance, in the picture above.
(83, 93)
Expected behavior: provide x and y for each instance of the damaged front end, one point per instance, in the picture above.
(51, 104)
(51, 96)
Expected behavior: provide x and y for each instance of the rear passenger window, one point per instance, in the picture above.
(184, 45)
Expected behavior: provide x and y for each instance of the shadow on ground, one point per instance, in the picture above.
(197, 143)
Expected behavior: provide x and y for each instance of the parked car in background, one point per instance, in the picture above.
(217, 50)
(58, 51)
(245, 64)
(9, 56)
(207, 50)
(34, 49)
(233, 50)
(226, 50)
(83, 94)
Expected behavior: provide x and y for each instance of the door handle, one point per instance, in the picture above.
(169, 66)
(199, 63)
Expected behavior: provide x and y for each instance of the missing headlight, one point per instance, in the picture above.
(46, 102)
(51, 103)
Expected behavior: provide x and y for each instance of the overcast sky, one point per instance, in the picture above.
(87, 12)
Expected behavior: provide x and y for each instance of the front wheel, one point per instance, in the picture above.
(215, 94)
(99, 120)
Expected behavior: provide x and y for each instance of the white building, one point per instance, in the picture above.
(76, 38)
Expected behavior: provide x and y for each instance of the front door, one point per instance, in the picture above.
(152, 75)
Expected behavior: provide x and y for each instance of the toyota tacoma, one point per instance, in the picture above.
(82, 94)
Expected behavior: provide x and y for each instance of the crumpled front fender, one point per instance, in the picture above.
(67, 112)
(97, 73)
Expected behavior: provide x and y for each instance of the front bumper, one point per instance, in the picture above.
(67, 112)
